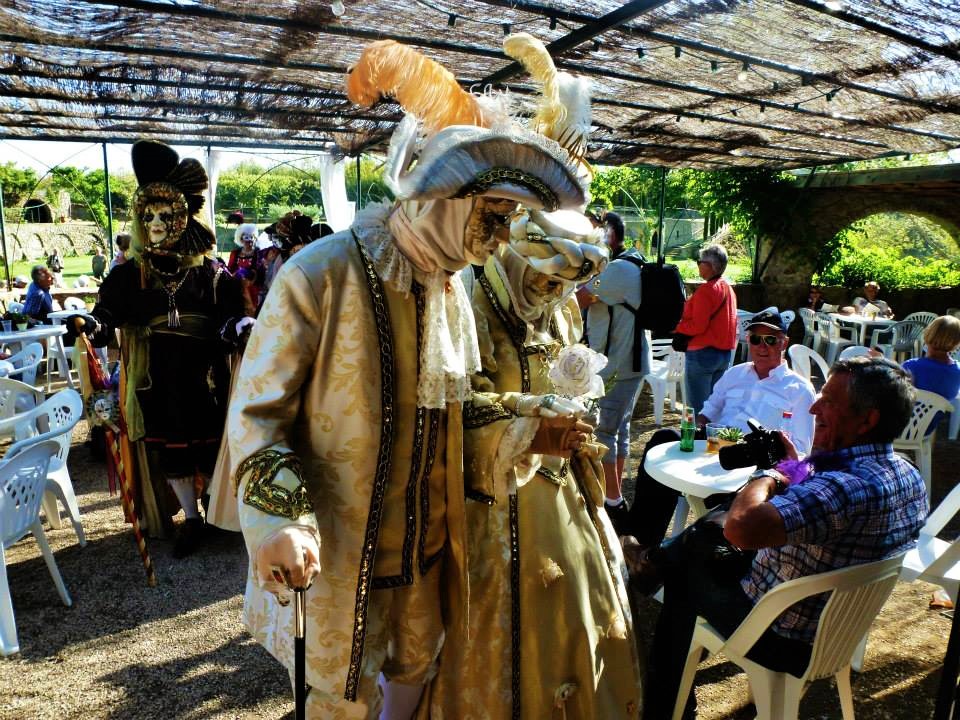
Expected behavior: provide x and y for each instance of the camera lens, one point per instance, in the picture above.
(736, 456)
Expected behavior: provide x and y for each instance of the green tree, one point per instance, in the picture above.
(17, 183)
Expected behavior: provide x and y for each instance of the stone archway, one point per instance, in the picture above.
(832, 201)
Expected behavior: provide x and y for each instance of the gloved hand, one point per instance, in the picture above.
(244, 323)
(559, 436)
(544, 406)
(289, 559)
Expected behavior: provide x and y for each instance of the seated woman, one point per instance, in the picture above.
(549, 625)
(870, 291)
(815, 299)
(937, 371)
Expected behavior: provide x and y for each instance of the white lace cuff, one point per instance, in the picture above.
(513, 461)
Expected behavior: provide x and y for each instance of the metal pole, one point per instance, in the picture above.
(660, 239)
(106, 183)
(3, 240)
(359, 190)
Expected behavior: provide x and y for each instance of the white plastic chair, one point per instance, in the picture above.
(903, 338)
(954, 430)
(809, 319)
(934, 560)
(26, 362)
(21, 491)
(833, 336)
(856, 595)
(54, 419)
(855, 351)
(801, 358)
(921, 317)
(74, 303)
(16, 398)
(664, 376)
(914, 436)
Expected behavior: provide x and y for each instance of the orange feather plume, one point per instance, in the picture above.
(422, 86)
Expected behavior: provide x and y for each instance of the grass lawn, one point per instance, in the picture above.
(734, 273)
(73, 267)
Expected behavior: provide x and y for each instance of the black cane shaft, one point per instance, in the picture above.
(299, 655)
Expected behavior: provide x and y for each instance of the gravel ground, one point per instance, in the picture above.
(125, 650)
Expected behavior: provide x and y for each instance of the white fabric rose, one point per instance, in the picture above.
(574, 374)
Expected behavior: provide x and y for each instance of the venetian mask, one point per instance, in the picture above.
(247, 238)
(162, 211)
(488, 226)
(540, 289)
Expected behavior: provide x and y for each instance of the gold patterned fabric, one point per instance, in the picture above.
(550, 632)
(321, 379)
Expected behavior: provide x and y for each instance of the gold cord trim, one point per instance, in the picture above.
(272, 499)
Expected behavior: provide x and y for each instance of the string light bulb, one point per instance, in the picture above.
(677, 51)
(714, 66)
(640, 53)
(451, 20)
(337, 8)
(553, 23)
(763, 107)
(743, 75)
(506, 28)
(596, 45)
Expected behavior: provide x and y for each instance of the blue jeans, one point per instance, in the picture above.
(616, 409)
(703, 368)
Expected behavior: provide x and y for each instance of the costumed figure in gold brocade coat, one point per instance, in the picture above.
(550, 633)
(346, 421)
(179, 315)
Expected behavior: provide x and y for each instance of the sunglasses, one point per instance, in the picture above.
(770, 340)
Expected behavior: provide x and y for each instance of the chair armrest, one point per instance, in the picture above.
(21, 445)
(878, 333)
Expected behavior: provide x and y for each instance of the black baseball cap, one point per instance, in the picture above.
(768, 319)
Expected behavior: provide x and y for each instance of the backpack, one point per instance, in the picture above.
(662, 295)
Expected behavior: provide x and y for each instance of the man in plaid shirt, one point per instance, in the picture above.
(858, 502)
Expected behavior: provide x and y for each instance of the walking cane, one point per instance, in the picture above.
(299, 654)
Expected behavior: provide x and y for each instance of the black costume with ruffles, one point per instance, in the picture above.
(183, 397)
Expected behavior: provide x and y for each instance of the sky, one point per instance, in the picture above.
(42, 155)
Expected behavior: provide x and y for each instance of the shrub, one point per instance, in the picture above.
(855, 266)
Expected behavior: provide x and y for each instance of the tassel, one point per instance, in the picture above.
(173, 315)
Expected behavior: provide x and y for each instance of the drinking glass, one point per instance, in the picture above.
(7, 325)
(713, 437)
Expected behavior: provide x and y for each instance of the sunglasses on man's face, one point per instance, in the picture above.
(770, 340)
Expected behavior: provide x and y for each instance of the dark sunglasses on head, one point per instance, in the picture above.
(770, 340)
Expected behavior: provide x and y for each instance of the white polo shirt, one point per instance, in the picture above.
(740, 394)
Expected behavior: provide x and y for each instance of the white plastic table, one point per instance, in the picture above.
(52, 337)
(862, 324)
(696, 475)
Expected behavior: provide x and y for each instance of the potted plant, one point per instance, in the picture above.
(19, 320)
(729, 436)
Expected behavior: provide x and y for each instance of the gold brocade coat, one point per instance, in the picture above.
(319, 379)
(550, 629)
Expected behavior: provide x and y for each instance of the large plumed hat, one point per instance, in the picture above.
(471, 145)
(163, 177)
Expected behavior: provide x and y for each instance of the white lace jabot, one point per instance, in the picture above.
(449, 354)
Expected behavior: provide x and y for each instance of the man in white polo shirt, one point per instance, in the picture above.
(763, 389)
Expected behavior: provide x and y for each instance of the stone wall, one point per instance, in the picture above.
(33, 241)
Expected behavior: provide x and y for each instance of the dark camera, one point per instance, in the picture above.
(761, 447)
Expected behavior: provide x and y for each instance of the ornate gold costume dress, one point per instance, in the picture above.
(550, 632)
(327, 386)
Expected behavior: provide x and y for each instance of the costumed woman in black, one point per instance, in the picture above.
(179, 313)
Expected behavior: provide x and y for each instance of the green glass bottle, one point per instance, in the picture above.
(688, 428)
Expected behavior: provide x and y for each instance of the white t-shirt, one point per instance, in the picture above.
(740, 394)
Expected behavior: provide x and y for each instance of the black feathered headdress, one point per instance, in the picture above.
(163, 177)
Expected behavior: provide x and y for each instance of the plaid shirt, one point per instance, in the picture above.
(861, 504)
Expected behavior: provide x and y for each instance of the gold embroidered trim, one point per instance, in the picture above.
(516, 330)
(262, 494)
(368, 553)
(423, 561)
(483, 181)
(557, 478)
(475, 417)
(515, 603)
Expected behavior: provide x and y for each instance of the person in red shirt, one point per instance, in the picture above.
(710, 319)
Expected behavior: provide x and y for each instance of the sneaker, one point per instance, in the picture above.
(189, 538)
(619, 517)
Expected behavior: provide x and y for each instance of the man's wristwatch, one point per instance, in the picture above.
(780, 485)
